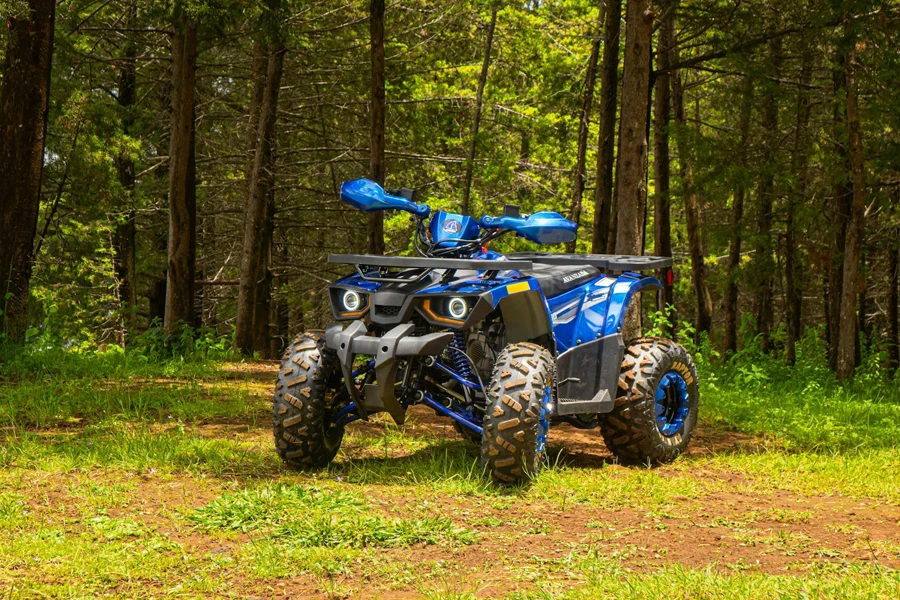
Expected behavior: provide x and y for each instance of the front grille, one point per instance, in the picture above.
(387, 311)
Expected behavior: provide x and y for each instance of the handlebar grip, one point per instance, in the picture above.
(407, 193)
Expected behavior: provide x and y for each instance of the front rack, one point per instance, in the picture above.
(413, 268)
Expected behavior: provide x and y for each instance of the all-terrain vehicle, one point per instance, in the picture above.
(505, 346)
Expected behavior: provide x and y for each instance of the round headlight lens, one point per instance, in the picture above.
(457, 308)
(351, 300)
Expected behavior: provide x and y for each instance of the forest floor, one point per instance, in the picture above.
(168, 485)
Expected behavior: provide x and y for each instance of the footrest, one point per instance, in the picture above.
(573, 406)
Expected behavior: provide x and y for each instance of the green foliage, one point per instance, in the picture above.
(311, 517)
(803, 406)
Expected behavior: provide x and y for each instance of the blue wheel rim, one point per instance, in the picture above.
(544, 424)
(672, 403)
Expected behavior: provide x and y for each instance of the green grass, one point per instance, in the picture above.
(136, 448)
(82, 435)
(803, 407)
(318, 518)
(609, 578)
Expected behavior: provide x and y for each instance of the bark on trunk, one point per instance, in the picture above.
(737, 217)
(863, 330)
(631, 183)
(691, 212)
(24, 100)
(262, 314)
(893, 309)
(800, 169)
(182, 183)
(662, 230)
(376, 141)
(258, 214)
(584, 120)
(609, 83)
(840, 210)
(476, 119)
(124, 236)
(847, 338)
(764, 268)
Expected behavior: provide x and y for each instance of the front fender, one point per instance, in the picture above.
(523, 308)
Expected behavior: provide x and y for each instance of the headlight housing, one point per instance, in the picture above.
(448, 310)
(351, 301)
(348, 303)
(457, 308)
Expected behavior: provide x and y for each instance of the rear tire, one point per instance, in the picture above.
(516, 418)
(304, 436)
(656, 404)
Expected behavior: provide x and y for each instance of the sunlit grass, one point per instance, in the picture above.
(80, 441)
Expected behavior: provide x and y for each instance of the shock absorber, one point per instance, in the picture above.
(460, 360)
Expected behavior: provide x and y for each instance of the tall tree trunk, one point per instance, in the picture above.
(691, 212)
(840, 209)
(584, 120)
(847, 338)
(662, 230)
(262, 313)
(800, 169)
(282, 310)
(737, 217)
(764, 268)
(376, 141)
(24, 101)
(258, 213)
(476, 119)
(862, 323)
(182, 182)
(631, 182)
(609, 84)
(124, 236)
(893, 309)
(524, 153)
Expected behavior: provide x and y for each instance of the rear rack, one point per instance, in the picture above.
(604, 262)
(414, 268)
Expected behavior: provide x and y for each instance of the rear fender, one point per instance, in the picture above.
(603, 308)
(625, 287)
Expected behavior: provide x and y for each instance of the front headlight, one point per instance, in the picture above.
(351, 301)
(457, 308)
(447, 310)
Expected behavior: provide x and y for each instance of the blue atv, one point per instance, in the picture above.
(504, 346)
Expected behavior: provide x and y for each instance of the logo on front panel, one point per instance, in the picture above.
(451, 226)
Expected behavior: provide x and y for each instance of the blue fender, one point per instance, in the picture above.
(597, 309)
(623, 289)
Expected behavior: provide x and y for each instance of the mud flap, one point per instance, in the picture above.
(588, 375)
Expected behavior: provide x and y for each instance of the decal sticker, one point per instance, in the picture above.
(566, 313)
(451, 226)
(575, 276)
(522, 286)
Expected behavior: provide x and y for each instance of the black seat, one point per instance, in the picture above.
(557, 279)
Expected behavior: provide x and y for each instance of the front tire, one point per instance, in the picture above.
(656, 404)
(516, 418)
(305, 438)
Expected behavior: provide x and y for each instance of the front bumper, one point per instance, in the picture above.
(398, 342)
